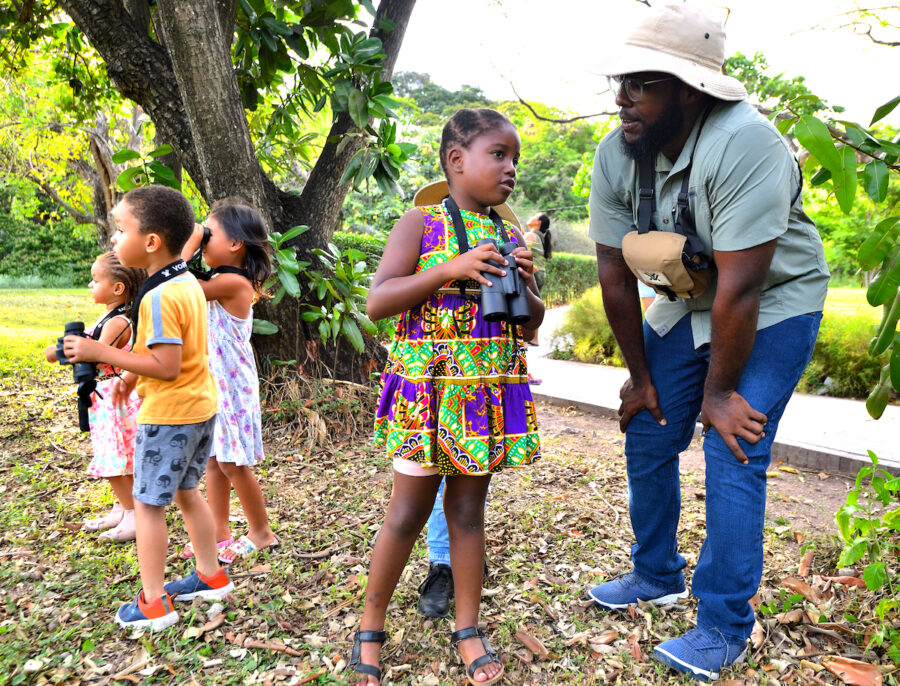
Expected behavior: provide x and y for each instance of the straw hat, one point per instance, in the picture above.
(435, 192)
(677, 40)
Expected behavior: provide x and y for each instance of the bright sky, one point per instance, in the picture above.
(546, 48)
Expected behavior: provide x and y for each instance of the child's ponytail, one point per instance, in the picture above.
(245, 224)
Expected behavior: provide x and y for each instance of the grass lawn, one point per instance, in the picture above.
(552, 531)
(850, 302)
(30, 320)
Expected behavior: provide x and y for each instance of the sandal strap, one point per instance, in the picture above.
(485, 659)
(463, 634)
(363, 668)
(371, 636)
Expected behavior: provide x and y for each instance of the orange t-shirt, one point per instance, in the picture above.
(175, 312)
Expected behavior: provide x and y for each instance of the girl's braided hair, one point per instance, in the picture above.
(131, 277)
(465, 126)
(245, 224)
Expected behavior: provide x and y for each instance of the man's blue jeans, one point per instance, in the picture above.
(438, 536)
(730, 564)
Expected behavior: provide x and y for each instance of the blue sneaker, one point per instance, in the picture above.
(156, 615)
(701, 653)
(626, 589)
(195, 586)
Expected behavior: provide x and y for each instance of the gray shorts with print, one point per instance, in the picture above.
(169, 457)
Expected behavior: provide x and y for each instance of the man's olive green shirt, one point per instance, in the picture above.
(741, 184)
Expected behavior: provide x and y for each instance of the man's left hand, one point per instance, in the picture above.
(731, 415)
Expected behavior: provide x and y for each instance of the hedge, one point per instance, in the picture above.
(840, 367)
(568, 275)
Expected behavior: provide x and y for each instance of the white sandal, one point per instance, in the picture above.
(110, 520)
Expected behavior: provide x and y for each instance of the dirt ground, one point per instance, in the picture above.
(806, 500)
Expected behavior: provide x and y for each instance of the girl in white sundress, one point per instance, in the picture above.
(236, 251)
(113, 428)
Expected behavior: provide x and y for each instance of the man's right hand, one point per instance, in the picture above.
(636, 398)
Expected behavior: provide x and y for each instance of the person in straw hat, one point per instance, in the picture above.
(731, 354)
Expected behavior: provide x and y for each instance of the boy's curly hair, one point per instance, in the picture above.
(163, 211)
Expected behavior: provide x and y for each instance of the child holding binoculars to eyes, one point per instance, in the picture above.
(455, 401)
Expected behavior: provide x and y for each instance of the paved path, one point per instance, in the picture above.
(816, 432)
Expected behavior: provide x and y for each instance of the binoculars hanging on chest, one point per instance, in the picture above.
(507, 298)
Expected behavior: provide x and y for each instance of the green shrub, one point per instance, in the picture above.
(372, 246)
(45, 254)
(840, 362)
(585, 334)
(568, 276)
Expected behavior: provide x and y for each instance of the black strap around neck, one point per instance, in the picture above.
(207, 274)
(167, 273)
(120, 311)
(459, 225)
(647, 194)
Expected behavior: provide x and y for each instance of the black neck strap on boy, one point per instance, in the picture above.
(167, 273)
(120, 311)
(459, 227)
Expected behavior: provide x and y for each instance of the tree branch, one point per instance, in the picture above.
(78, 216)
(550, 119)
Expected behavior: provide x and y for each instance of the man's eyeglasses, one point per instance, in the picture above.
(632, 86)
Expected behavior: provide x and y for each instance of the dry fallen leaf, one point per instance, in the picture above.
(533, 644)
(634, 648)
(803, 588)
(805, 563)
(852, 672)
(846, 580)
(758, 637)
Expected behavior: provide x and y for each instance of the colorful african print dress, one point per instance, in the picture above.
(455, 392)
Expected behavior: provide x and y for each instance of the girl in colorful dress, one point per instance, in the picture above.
(113, 427)
(237, 253)
(455, 401)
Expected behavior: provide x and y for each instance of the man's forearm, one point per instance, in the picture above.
(734, 321)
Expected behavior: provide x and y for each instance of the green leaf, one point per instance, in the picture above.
(125, 155)
(358, 108)
(886, 328)
(885, 110)
(895, 363)
(879, 396)
(161, 151)
(261, 327)
(293, 232)
(784, 125)
(876, 180)
(881, 239)
(311, 315)
(845, 179)
(875, 575)
(324, 330)
(814, 136)
(820, 177)
(126, 179)
(289, 281)
(249, 11)
(351, 331)
(367, 324)
(853, 552)
(884, 286)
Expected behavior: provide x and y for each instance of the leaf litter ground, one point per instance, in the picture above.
(553, 530)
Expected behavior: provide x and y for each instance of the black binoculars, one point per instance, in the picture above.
(84, 374)
(507, 298)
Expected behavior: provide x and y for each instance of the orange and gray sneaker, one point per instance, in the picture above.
(140, 614)
(196, 585)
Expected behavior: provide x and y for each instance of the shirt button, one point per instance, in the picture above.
(665, 221)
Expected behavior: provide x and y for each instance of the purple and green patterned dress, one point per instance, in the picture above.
(455, 392)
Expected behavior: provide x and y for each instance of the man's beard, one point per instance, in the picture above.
(668, 124)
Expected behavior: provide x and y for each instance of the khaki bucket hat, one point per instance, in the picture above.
(435, 192)
(677, 40)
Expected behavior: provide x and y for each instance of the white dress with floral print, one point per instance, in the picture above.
(238, 436)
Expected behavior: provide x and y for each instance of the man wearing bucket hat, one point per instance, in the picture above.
(693, 163)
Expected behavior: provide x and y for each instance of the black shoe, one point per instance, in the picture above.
(436, 591)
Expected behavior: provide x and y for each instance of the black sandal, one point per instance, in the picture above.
(486, 659)
(360, 638)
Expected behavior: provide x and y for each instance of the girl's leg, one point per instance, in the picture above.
(218, 494)
(411, 502)
(122, 487)
(247, 487)
(464, 498)
(198, 521)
